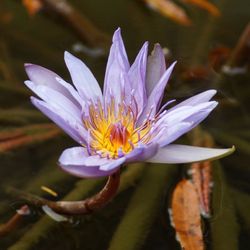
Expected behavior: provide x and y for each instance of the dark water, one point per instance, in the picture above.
(137, 218)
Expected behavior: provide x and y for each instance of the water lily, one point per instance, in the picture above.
(125, 123)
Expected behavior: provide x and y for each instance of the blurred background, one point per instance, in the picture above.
(211, 42)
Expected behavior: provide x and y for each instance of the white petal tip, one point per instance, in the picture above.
(26, 65)
(68, 55)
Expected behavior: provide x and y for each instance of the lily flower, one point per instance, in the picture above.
(125, 123)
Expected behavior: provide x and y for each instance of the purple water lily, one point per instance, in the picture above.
(125, 123)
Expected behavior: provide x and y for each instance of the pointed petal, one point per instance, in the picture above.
(137, 74)
(187, 154)
(68, 124)
(197, 99)
(156, 66)
(55, 99)
(82, 78)
(117, 66)
(45, 77)
(156, 95)
(186, 113)
(170, 134)
(179, 121)
(72, 160)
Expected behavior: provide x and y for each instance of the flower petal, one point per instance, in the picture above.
(156, 95)
(170, 134)
(42, 76)
(112, 164)
(179, 121)
(142, 153)
(185, 113)
(187, 154)
(156, 67)
(137, 74)
(73, 160)
(197, 99)
(117, 67)
(69, 125)
(55, 99)
(82, 78)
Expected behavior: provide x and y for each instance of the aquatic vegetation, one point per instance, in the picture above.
(185, 216)
(176, 13)
(32, 6)
(125, 124)
(171, 10)
(137, 217)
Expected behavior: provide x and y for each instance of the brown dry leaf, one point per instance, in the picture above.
(201, 179)
(32, 6)
(206, 5)
(186, 216)
(171, 10)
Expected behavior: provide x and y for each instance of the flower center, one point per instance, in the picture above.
(113, 132)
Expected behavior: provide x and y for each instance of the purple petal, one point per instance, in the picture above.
(179, 121)
(187, 154)
(69, 125)
(197, 99)
(82, 78)
(185, 113)
(156, 67)
(156, 95)
(73, 160)
(170, 134)
(137, 74)
(55, 99)
(142, 153)
(45, 77)
(112, 164)
(117, 68)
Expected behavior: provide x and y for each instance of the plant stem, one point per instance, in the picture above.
(86, 206)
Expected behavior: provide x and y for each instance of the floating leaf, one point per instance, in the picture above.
(201, 179)
(186, 216)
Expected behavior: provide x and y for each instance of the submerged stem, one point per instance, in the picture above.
(14, 221)
(86, 206)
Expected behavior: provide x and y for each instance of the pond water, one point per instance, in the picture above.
(138, 217)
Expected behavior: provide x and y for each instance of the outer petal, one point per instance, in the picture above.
(156, 95)
(137, 74)
(45, 77)
(55, 99)
(156, 67)
(72, 160)
(187, 154)
(185, 113)
(142, 153)
(117, 67)
(82, 78)
(170, 134)
(68, 124)
(179, 121)
(197, 99)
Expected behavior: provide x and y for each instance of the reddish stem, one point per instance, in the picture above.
(81, 207)
(14, 221)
